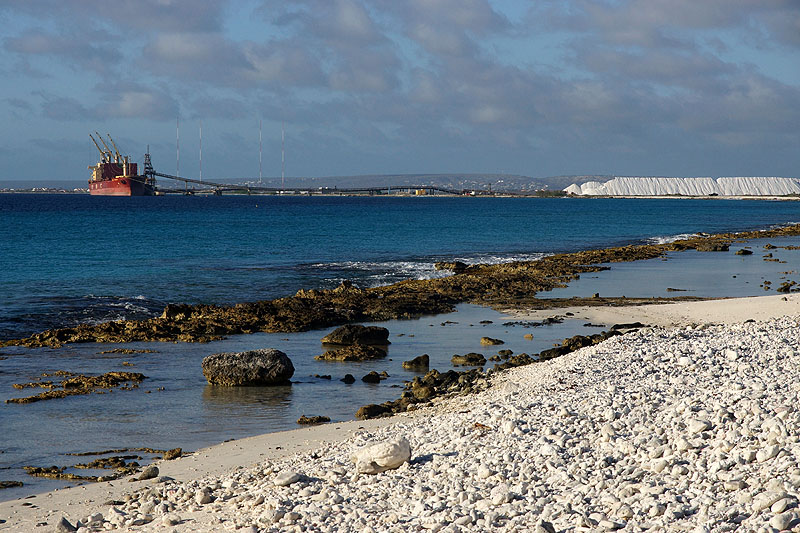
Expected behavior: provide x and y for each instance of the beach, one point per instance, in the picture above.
(688, 425)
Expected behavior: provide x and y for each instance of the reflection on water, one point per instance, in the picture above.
(218, 397)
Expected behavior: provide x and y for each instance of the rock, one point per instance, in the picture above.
(64, 526)
(357, 334)
(456, 266)
(744, 251)
(418, 363)
(174, 453)
(149, 472)
(355, 352)
(383, 456)
(544, 527)
(348, 379)
(255, 367)
(203, 496)
(712, 247)
(698, 426)
(372, 411)
(372, 377)
(488, 341)
(286, 478)
(308, 420)
(470, 359)
(781, 521)
(528, 337)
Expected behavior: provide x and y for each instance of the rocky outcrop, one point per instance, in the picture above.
(76, 384)
(418, 363)
(488, 341)
(356, 352)
(510, 284)
(312, 420)
(357, 334)
(456, 267)
(470, 359)
(255, 367)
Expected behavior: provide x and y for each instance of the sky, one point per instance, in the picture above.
(538, 88)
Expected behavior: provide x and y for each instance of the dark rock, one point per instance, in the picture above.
(348, 379)
(357, 334)
(769, 246)
(744, 251)
(456, 266)
(308, 420)
(372, 377)
(149, 472)
(470, 359)
(488, 341)
(355, 352)
(326, 376)
(418, 363)
(372, 411)
(495, 358)
(713, 247)
(505, 353)
(631, 325)
(384, 375)
(64, 526)
(485, 322)
(255, 367)
(174, 453)
(10, 484)
(786, 286)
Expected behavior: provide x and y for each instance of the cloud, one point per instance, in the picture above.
(74, 48)
(118, 100)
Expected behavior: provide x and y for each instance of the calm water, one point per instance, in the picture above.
(71, 259)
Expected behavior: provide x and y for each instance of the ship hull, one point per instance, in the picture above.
(121, 186)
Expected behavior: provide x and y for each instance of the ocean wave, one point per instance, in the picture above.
(666, 239)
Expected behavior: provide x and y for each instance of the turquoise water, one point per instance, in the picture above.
(71, 259)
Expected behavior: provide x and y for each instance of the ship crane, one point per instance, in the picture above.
(110, 153)
(117, 157)
(105, 155)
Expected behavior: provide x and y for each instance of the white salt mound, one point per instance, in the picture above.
(652, 186)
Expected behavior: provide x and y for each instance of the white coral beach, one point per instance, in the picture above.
(686, 429)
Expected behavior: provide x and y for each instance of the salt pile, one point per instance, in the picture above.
(653, 186)
(691, 429)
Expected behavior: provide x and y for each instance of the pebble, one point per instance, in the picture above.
(686, 429)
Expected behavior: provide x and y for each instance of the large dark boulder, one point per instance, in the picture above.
(418, 363)
(357, 334)
(255, 367)
(356, 352)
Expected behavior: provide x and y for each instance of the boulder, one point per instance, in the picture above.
(372, 411)
(383, 456)
(255, 367)
(470, 359)
(357, 334)
(744, 251)
(348, 379)
(488, 341)
(418, 363)
(356, 352)
(317, 419)
(372, 377)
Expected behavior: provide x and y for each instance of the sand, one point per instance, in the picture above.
(224, 459)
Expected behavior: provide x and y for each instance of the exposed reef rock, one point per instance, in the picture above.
(356, 352)
(77, 384)
(509, 284)
(357, 334)
(255, 367)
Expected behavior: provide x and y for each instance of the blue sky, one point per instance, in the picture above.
(540, 88)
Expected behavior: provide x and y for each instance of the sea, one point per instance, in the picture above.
(67, 259)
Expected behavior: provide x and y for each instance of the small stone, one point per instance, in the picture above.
(149, 472)
(202, 497)
(765, 454)
(64, 526)
(781, 521)
(286, 478)
(698, 426)
(171, 519)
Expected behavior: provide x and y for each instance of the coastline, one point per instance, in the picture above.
(227, 467)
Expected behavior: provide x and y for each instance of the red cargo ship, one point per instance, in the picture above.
(115, 175)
